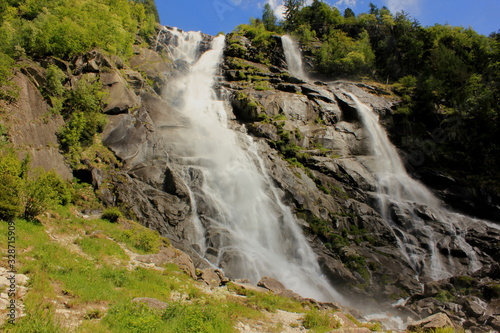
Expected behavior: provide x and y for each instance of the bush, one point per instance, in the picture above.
(44, 190)
(83, 115)
(8, 89)
(11, 184)
(142, 239)
(111, 214)
(65, 28)
(320, 321)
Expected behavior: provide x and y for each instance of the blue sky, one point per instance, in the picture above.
(214, 16)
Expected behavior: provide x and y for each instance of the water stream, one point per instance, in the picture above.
(414, 213)
(241, 224)
(293, 57)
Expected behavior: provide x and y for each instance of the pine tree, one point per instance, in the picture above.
(291, 13)
(269, 18)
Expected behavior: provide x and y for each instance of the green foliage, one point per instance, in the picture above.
(11, 185)
(268, 18)
(266, 301)
(55, 81)
(39, 319)
(65, 28)
(320, 321)
(292, 8)
(83, 115)
(341, 55)
(133, 317)
(262, 43)
(28, 193)
(43, 190)
(142, 239)
(111, 214)
(8, 89)
(445, 296)
(99, 247)
(196, 317)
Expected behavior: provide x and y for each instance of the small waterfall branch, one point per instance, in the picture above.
(293, 57)
(412, 210)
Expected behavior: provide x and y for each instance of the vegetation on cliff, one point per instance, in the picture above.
(77, 262)
(448, 78)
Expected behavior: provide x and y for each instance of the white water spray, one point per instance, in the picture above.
(293, 57)
(401, 195)
(247, 230)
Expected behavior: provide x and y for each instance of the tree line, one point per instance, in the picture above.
(440, 72)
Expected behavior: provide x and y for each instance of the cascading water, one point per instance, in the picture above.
(402, 198)
(241, 225)
(293, 57)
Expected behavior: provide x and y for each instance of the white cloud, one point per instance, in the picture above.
(346, 3)
(279, 8)
(409, 6)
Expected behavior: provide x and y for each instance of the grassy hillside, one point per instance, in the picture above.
(85, 271)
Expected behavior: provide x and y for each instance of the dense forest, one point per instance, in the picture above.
(447, 78)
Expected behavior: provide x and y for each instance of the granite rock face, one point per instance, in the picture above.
(313, 146)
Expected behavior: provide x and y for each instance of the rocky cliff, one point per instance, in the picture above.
(314, 147)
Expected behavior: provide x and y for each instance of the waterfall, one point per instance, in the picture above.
(245, 228)
(293, 57)
(402, 198)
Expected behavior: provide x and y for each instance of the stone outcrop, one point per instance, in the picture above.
(439, 320)
(32, 127)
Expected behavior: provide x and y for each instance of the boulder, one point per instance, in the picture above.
(242, 287)
(170, 255)
(473, 308)
(152, 303)
(121, 98)
(271, 284)
(92, 62)
(210, 277)
(438, 320)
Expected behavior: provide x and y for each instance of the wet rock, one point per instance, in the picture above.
(438, 320)
(473, 308)
(291, 88)
(153, 65)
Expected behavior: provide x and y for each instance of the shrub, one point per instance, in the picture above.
(111, 214)
(44, 190)
(11, 184)
(320, 321)
(142, 239)
(83, 115)
(8, 89)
